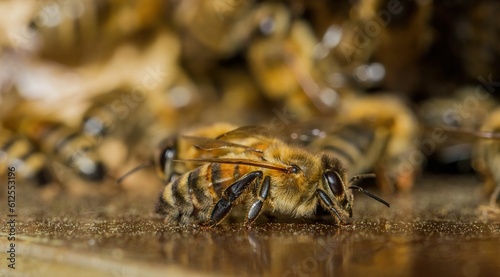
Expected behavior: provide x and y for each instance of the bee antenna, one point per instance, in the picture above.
(135, 169)
(370, 195)
(361, 176)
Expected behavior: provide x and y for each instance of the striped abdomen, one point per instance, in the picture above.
(30, 164)
(72, 25)
(69, 147)
(358, 147)
(191, 197)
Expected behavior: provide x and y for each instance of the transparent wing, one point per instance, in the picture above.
(250, 162)
(209, 144)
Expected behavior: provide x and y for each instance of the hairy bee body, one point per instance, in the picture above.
(300, 181)
(67, 146)
(19, 152)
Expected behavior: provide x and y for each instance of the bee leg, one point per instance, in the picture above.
(329, 204)
(229, 195)
(256, 207)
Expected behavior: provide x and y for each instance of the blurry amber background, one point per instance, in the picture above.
(153, 68)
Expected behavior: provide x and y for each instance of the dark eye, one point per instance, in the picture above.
(295, 169)
(333, 181)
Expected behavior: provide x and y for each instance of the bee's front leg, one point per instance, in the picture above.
(229, 195)
(256, 207)
(323, 197)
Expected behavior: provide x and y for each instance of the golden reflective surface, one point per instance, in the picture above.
(436, 231)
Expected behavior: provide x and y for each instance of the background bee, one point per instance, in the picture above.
(371, 133)
(280, 177)
(71, 31)
(104, 115)
(18, 151)
(286, 69)
(465, 109)
(216, 29)
(65, 145)
(394, 36)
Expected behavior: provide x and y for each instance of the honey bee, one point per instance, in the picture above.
(66, 145)
(465, 109)
(19, 152)
(220, 27)
(286, 70)
(67, 30)
(271, 177)
(109, 115)
(101, 117)
(373, 133)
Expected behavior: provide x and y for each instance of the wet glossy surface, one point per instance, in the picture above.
(436, 231)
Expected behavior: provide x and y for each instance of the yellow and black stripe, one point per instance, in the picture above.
(68, 147)
(19, 152)
(191, 196)
(71, 25)
(356, 145)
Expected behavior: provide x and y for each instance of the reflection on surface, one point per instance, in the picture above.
(435, 231)
(364, 248)
(268, 250)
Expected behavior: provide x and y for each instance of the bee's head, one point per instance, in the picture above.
(335, 192)
(335, 187)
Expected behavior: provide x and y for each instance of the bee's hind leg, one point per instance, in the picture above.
(229, 195)
(256, 207)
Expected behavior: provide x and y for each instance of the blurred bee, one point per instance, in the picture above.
(219, 26)
(69, 29)
(395, 35)
(291, 66)
(270, 61)
(101, 119)
(486, 156)
(178, 103)
(18, 151)
(269, 176)
(220, 29)
(466, 109)
(65, 145)
(372, 133)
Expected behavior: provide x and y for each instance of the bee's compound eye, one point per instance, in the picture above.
(333, 181)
